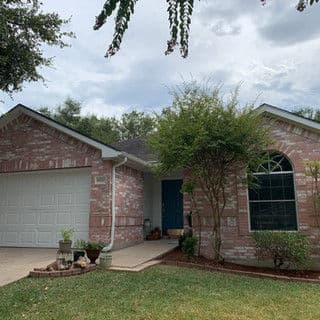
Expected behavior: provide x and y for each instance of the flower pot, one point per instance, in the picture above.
(93, 255)
(65, 246)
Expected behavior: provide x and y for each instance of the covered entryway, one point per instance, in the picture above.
(35, 206)
(172, 205)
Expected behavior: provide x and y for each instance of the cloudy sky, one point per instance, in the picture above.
(272, 50)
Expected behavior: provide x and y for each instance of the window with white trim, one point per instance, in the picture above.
(272, 201)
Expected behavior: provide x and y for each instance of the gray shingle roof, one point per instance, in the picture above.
(136, 147)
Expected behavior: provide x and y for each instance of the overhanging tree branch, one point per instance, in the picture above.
(179, 17)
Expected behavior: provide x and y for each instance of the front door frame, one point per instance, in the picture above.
(180, 224)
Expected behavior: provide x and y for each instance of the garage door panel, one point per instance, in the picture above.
(44, 238)
(2, 218)
(10, 237)
(13, 199)
(81, 219)
(30, 199)
(64, 199)
(47, 218)
(64, 219)
(13, 218)
(29, 218)
(80, 198)
(27, 238)
(40, 204)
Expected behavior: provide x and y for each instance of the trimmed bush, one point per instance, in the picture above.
(291, 248)
(189, 245)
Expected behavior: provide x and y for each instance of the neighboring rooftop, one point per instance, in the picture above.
(137, 147)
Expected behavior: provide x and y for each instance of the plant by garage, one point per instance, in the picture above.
(93, 250)
(78, 249)
(66, 242)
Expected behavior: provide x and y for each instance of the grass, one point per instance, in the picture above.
(162, 292)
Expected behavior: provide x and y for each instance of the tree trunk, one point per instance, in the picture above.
(217, 242)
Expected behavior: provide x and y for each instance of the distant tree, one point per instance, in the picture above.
(69, 113)
(45, 111)
(209, 139)
(135, 124)
(179, 16)
(308, 112)
(24, 28)
(105, 129)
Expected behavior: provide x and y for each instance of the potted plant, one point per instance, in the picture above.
(78, 249)
(93, 250)
(65, 244)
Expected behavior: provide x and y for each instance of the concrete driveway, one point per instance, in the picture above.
(15, 263)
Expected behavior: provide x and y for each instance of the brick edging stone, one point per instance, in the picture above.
(38, 273)
(207, 267)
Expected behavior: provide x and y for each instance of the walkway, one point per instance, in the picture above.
(141, 256)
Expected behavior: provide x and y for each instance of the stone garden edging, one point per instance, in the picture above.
(207, 267)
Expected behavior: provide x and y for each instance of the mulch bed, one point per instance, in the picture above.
(176, 257)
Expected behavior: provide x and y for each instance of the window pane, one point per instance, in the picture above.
(272, 203)
(286, 165)
(273, 215)
(278, 186)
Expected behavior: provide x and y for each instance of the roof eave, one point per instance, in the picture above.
(288, 116)
(106, 152)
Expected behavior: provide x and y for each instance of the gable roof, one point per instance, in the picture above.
(107, 151)
(139, 148)
(138, 154)
(288, 116)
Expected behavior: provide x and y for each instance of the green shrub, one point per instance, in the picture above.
(181, 239)
(289, 248)
(79, 244)
(94, 245)
(189, 245)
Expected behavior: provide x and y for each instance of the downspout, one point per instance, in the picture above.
(113, 205)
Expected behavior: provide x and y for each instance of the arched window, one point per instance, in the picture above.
(272, 201)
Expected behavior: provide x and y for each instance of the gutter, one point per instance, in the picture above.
(113, 205)
(136, 160)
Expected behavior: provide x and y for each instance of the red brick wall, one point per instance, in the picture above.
(298, 145)
(27, 144)
(129, 206)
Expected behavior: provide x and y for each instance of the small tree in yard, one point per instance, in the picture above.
(209, 138)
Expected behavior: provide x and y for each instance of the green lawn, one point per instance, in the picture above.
(162, 292)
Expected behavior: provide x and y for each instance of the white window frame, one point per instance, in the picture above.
(257, 201)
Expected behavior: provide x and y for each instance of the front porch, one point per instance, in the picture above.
(141, 256)
(163, 203)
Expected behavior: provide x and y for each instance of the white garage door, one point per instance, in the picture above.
(35, 206)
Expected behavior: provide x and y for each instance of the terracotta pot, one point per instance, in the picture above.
(93, 255)
(65, 246)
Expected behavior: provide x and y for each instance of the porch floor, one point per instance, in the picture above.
(138, 257)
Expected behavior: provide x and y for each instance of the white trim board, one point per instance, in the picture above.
(288, 116)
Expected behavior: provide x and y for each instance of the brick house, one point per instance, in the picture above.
(53, 177)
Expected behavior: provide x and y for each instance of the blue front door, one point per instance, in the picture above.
(172, 205)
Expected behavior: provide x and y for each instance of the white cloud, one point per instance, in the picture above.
(273, 50)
